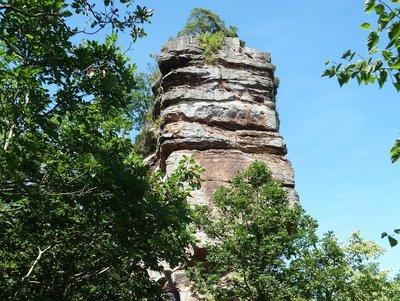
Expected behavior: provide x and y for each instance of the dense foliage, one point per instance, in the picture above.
(80, 216)
(143, 98)
(264, 248)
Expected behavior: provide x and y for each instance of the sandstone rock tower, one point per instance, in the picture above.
(224, 114)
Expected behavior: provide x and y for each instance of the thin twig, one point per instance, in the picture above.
(11, 210)
(25, 278)
(77, 192)
(389, 8)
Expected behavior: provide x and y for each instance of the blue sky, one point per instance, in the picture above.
(338, 138)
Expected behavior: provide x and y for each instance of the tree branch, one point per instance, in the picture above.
(16, 51)
(25, 278)
(388, 7)
(10, 135)
(11, 210)
(27, 14)
(80, 192)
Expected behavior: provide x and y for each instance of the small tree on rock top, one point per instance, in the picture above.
(204, 21)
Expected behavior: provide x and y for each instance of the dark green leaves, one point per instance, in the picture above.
(379, 9)
(73, 195)
(394, 31)
(257, 234)
(395, 151)
(372, 40)
(263, 248)
(383, 63)
(392, 241)
(382, 78)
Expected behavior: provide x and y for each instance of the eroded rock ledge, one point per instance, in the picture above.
(223, 114)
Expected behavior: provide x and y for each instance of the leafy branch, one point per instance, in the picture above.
(383, 62)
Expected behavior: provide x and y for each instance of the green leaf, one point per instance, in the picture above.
(372, 40)
(369, 5)
(348, 55)
(326, 72)
(397, 231)
(373, 50)
(382, 21)
(343, 78)
(377, 65)
(387, 54)
(388, 17)
(384, 234)
(382, 78)
(394, 65)
(392, 241)
(394, 31)
(371, 79)
(365, 26)
(395, 151)
(379, 9)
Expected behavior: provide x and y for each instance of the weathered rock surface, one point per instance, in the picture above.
(223, 114)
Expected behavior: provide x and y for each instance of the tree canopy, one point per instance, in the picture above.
(262, 248)
(80, 216)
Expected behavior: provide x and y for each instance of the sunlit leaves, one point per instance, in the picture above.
(365, 26)
(369, 5)
(255, 235)
(372, 41)
(395, 151)
(70, 183)
(394, 31)
(263, 248)
(382, 64)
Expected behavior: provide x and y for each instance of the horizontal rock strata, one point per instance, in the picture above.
(223, 114)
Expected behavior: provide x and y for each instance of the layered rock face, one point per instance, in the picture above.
(223, 114)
